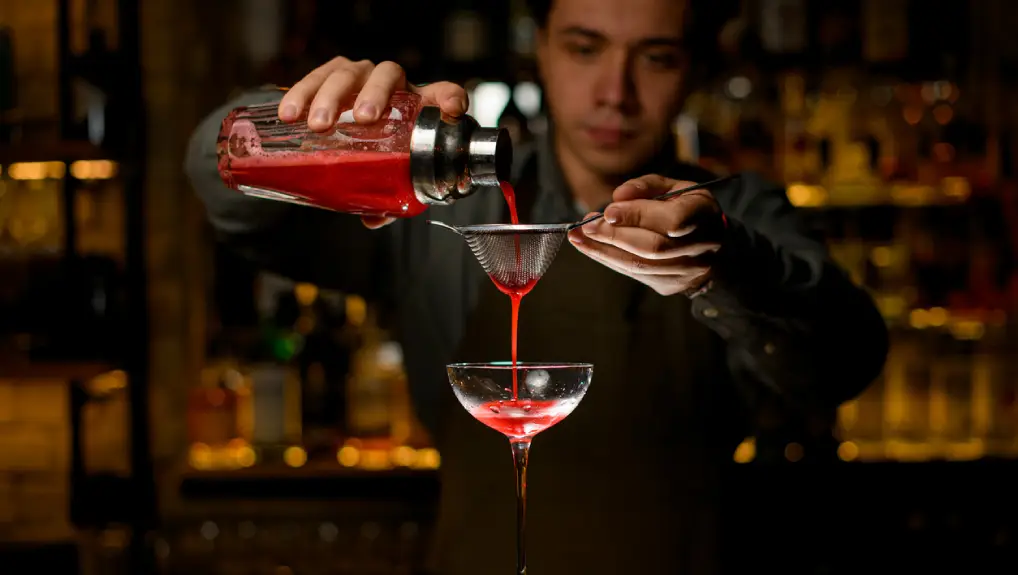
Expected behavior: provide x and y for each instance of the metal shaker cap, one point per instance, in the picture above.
(451, 159)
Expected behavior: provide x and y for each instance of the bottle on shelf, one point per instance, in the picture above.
(213, 411)
(409, 160)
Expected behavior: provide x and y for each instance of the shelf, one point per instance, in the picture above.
(311, 482)
(17, 368)
(952, 192)
(52, 151)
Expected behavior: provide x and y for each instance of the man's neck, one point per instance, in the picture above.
(589, 189)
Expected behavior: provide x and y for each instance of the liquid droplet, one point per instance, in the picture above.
(493, 408)
(527, 407)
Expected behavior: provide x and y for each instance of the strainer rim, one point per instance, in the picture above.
(499, 229)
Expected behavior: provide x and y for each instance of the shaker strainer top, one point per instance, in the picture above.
(514, 256)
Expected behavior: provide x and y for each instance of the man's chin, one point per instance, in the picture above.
(614, 162)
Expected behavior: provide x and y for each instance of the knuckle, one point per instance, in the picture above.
(675, 224)
(345, 76)
(659, 244)
(390, 67)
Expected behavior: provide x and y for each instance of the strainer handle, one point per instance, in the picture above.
(444, 225)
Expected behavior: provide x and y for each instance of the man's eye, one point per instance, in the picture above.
(584, 50)
(662, 59)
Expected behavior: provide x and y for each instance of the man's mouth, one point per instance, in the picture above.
(608, 136)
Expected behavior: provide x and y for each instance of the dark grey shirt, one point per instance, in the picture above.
(794, 325)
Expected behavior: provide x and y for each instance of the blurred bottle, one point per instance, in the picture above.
(885, 30)
(275, 391)
(212, 407)
(375, 381)
(324, 364)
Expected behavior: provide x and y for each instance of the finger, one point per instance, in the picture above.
(299, 96)
(664, 285)
(646, 187)
(633, 265)
(386, 78)
(672, 219)
(336, 90)
(646, 243)
(375, 222)
(450, 97)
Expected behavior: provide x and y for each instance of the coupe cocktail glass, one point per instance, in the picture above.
(547, 393)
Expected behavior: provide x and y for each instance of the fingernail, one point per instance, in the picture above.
(575, 239)
(321, 116)
(289, 112)
(611, 215)
(367, 111)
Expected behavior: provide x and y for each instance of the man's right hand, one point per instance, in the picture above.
(321, 93)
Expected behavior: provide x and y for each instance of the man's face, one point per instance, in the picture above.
(613, 73)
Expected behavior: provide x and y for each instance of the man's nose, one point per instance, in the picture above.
(615, 86)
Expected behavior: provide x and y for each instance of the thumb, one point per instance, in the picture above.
(449, 97)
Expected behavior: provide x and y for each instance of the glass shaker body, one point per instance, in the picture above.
(397, 167)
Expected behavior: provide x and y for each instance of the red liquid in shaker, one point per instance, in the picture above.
(362, 183)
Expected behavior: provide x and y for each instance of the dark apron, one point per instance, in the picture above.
(627, 483)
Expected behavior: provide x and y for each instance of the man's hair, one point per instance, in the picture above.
(706, 17)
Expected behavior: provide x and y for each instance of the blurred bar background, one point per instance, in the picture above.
(167, 408)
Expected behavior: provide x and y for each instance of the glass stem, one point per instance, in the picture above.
(521, 455)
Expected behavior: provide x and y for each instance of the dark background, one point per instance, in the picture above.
(126, 333)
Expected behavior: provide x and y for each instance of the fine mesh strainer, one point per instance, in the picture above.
(517, 255)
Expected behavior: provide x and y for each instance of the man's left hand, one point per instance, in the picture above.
(668, 245)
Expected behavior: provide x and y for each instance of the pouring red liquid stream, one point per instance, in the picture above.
(515, 293)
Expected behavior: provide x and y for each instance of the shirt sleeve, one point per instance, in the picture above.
(793, 320)
(302, 243)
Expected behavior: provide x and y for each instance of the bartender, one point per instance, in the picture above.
(693, 310)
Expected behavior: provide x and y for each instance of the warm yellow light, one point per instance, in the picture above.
(746, 451)
(348, 456)
(956, 188)
(306, 293)
(918, 318)
(803, 195)
(295, 456)
(93, 169)
(375, 460)
(356, 310)
(404, 456)
(848, 451)
(37, 170)
(200, 456)
(428, 458)
(882, 256)
(937, 316)
(246, 456)
(968, 330)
